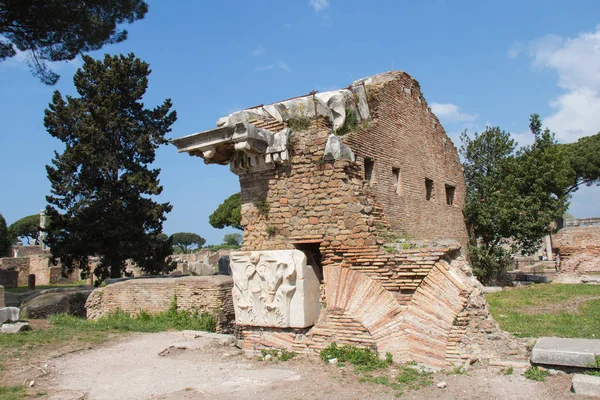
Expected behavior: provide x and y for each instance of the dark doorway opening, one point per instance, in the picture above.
(313, 256)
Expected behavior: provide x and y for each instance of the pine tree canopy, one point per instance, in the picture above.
(102, 183)
(59, 30)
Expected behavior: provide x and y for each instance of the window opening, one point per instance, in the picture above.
(369, 164)
(428, 189)
(450, 189)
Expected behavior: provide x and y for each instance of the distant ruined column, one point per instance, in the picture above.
(42, 232)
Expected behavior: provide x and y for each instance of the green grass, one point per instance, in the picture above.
(409, 378)
(550, 316)
(536, 374)
(12, 392)
(361, 359)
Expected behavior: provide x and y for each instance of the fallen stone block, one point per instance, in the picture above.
(9, 314)
(15, 327)
(586, 385)
(566, 352)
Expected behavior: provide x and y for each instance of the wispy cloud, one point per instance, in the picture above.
(286, 25)
(258, 51)
(283, 65)
(576, 61)
(268, 67)
(451, 113)
(264, 68)
(319, 5)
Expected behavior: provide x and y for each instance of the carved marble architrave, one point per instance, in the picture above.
(244, 146)
(274, 288)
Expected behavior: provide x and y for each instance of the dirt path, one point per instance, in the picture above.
(203, 368)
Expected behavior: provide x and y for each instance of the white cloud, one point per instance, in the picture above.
(287, 25)
(450, 113)
(258, 51)
(283, 65)
(577, 64)
(319, 5)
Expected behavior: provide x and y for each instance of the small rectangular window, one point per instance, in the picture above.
(428, 189)
(450, 189)
(369, 164)
(397, 179)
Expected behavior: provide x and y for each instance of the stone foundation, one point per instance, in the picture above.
(210, 294)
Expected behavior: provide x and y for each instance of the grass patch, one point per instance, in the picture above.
(276, 355)
(409, 378)
(299, 124)
(536, 374)
(12, 392)
(361, 359)
(512, 310)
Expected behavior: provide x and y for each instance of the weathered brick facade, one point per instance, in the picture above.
(210, 294)
(358, 218)
(579, 249)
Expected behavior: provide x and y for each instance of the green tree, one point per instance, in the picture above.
(512, 195)
(187, 241)
(5, 238)
(27, 228)
(229, 213)
(232, 239)
(584, 160)
(59, 30)
(102, 184)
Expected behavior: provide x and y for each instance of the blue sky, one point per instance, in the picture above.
(478, 62)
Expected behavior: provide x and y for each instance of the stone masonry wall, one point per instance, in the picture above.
(210, 294)
(579, 249)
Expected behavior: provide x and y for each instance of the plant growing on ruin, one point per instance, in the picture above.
(276, 355)
(299, 124)
(271, 230)
(60, 30)
(102, 182)
(262, 205)
(363, 359)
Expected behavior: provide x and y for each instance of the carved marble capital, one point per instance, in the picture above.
(274, 288)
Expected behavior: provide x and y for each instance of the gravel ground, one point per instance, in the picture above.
(170, 366)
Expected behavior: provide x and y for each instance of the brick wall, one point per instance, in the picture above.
(202, 293)
(579, 249)
(406, 138)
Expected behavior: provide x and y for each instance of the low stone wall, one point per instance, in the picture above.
(579, 249)
(210, 294)
(9, 278)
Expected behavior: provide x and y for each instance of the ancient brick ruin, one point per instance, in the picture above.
(353, 226)
(579, 248)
